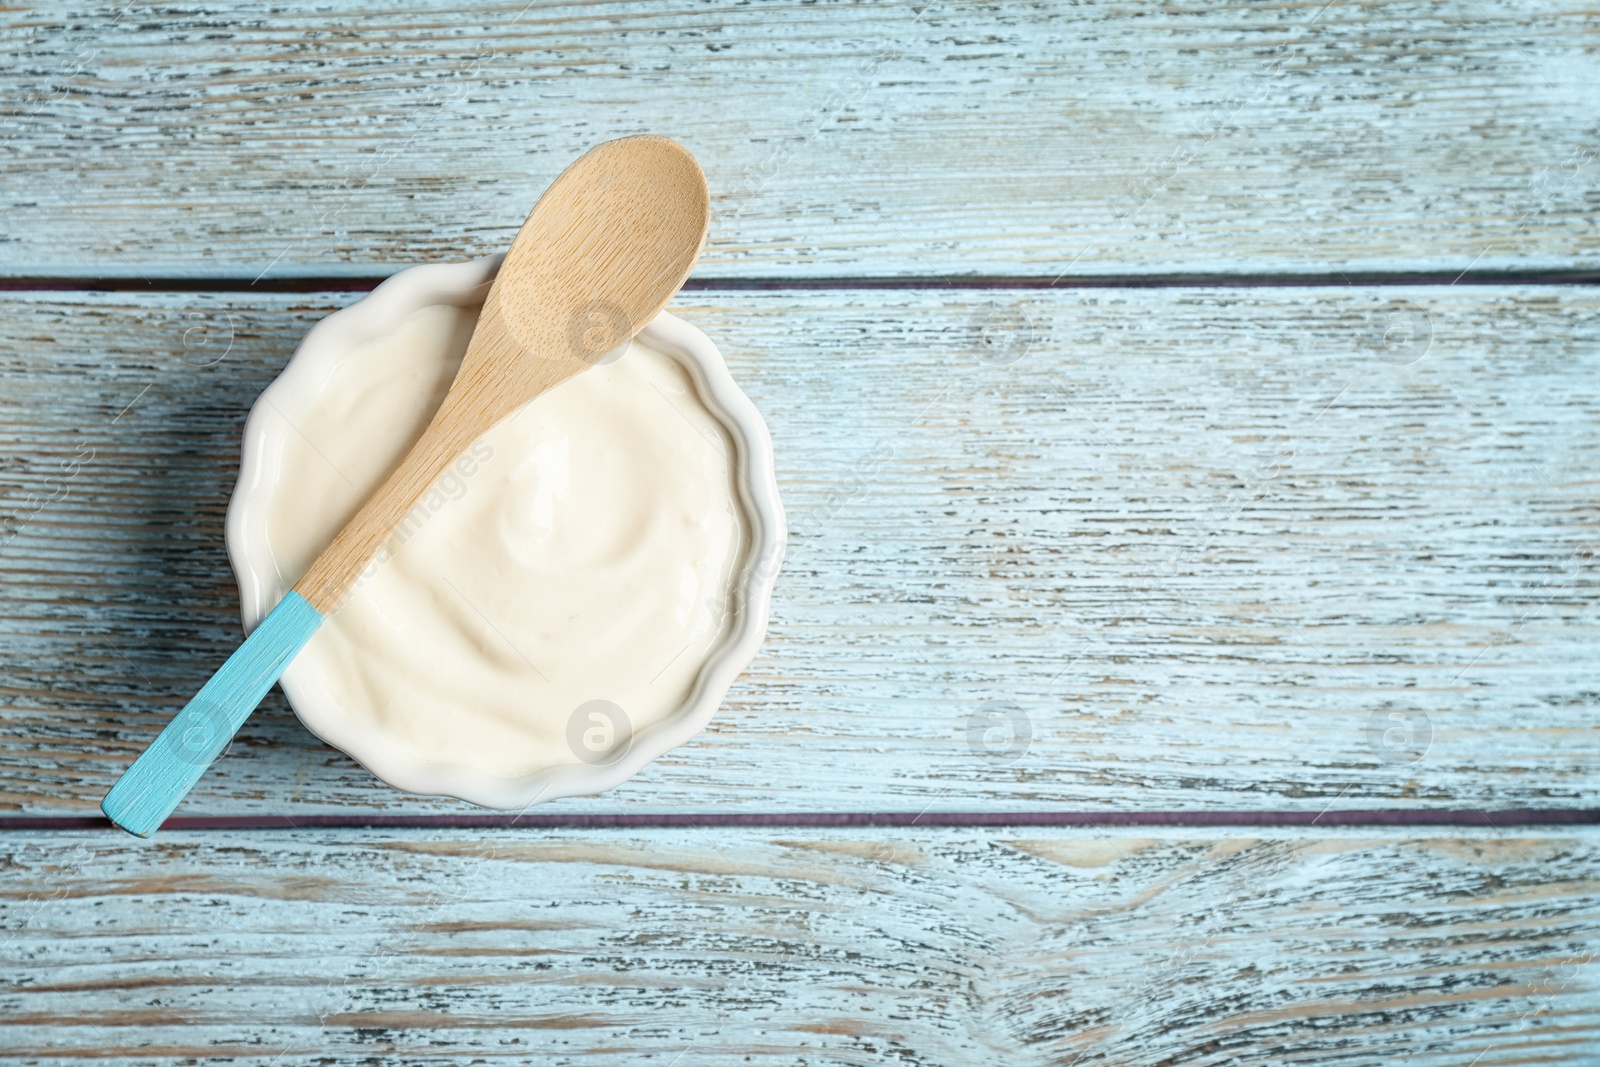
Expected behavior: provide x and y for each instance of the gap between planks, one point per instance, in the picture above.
(364, 282)
(824, 820)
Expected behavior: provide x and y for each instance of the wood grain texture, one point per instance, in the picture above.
(813, 947)
(841, 139)
(1209, 549)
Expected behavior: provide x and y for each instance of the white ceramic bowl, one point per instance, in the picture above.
(260, 585)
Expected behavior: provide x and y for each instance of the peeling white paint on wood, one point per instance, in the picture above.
(802, 947)
(1209, 549)
(1133, 549)
(841, 139)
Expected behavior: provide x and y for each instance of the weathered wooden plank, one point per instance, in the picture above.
(809, 947)
(844, 138)
(1207, 548)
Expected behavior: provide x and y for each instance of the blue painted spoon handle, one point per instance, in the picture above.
(165, 772)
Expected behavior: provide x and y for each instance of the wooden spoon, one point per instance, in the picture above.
(604, 249)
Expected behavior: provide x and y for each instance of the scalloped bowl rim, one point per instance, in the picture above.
(296, 387)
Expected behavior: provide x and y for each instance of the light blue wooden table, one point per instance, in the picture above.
(1189, 643)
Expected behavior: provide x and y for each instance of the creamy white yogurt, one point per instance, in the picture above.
(556, 591)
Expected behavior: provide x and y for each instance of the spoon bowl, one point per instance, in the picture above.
(604, 249)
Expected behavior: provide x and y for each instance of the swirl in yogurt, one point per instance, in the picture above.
(558, 588)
